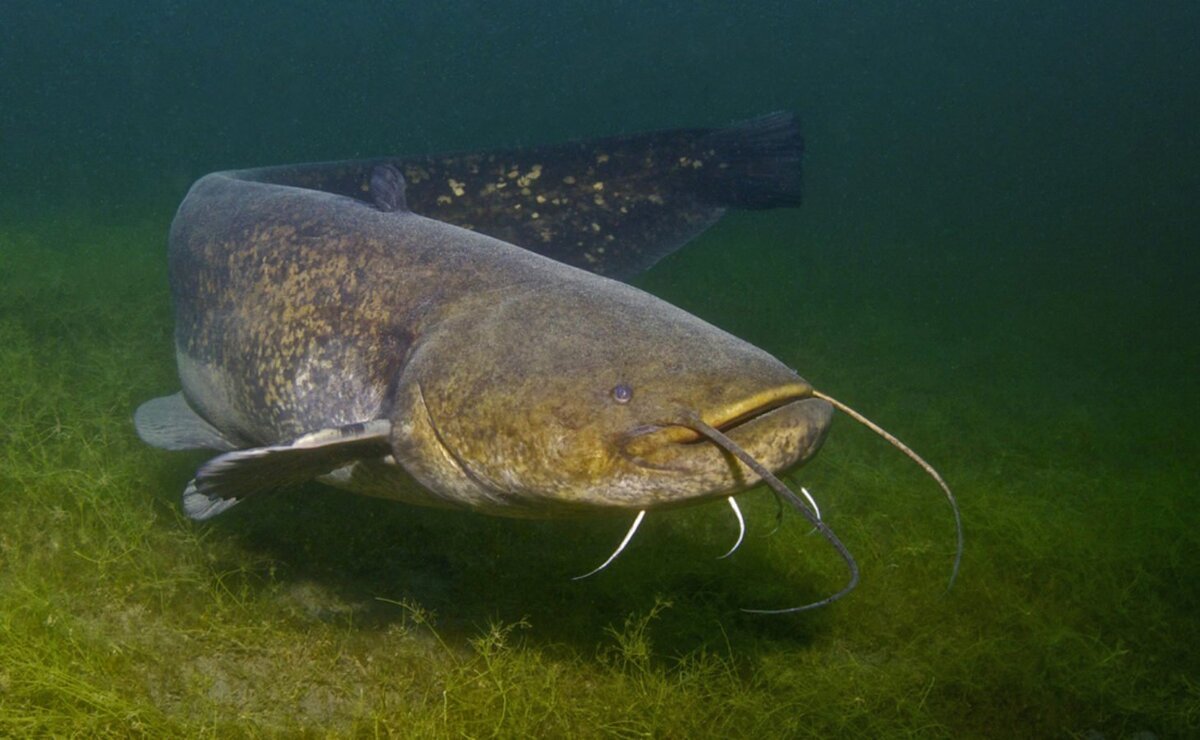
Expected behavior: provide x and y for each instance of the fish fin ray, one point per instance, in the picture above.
(200, 506)
(388, 188)
(760, 163)
(228, 478)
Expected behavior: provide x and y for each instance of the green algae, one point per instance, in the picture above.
(318, 613)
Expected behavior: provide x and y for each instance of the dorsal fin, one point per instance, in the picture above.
(388, 188)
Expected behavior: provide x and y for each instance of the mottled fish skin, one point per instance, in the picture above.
(283, 321)
(299, 310)
(613, 206)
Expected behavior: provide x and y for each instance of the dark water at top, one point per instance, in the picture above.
(1031, 124)
(1014, 183)
(1063, 115)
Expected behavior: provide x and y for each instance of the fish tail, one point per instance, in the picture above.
(758, 163)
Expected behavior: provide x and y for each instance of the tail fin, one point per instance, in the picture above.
(613, 206)
(758, 163)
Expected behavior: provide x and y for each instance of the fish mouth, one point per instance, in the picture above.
(753, 417)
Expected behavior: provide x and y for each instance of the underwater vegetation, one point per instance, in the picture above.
(318, 613)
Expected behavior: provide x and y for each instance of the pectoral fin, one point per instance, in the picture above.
(226, 479)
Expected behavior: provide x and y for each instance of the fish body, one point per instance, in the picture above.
(325, 330)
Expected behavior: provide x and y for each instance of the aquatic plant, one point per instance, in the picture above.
(319, 613)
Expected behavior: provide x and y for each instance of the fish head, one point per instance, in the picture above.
(548, 402)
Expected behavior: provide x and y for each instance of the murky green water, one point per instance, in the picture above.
(995, 260)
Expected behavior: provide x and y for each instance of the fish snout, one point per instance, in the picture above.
(818, 414)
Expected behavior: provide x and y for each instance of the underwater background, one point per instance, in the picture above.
(996, 260)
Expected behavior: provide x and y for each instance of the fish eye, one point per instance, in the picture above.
(621, 393)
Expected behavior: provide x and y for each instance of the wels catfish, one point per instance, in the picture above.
(447, 331)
